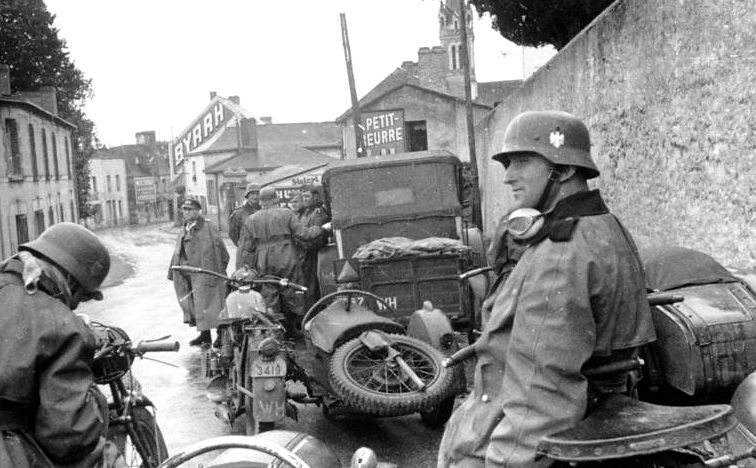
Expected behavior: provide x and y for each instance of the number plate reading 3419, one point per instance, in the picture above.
(274, 368)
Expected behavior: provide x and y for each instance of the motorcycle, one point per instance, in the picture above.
(132, 425)
(695, 402)
(349, 359)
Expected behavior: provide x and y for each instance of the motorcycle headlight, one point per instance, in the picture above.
(268, 348)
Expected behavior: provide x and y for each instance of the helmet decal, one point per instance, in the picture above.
(556, 138)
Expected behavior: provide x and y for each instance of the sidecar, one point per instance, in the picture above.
(706, 344)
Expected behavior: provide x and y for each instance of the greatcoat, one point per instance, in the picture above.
(201, 296)
(50, 409)
(575, 297)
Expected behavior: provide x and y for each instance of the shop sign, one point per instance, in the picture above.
(383, 132)
(145, 190)
(200, 131)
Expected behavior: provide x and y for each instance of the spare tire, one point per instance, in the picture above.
(369, 383)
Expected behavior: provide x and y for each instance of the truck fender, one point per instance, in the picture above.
(743, 403)
(432, 326)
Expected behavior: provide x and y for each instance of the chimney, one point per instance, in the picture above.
(45, 97)
(267, 120)
(248, 133)
(4, 79)
(212, 95)
(235, 100)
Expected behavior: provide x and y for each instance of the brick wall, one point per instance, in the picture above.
(667, 91)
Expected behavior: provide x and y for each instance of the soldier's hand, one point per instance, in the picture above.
(326, 226)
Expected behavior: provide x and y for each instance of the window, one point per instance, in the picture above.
(68, 156)
(45, 154)
(73, 212)
(22, 229)
(61, 213)
(14, 158)
(33, 153)
(51, 215)
(39, 220)
(55, 156)
(107, 183)
(118, 183)
(417, 135)
(120, 209)
(94, 184)
(194, 171)
(453, 57)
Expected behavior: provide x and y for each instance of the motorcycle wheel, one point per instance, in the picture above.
(367, 382)
(148, 438)
(251, 425)
(439, 414)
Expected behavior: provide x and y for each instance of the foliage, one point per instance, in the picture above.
(37, 57)
(535, 23)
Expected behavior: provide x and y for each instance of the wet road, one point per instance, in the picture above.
(140, 299)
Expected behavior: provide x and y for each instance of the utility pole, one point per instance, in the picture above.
(356, 118)
(477, 215)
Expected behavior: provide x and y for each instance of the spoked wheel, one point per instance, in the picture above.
(373, 382)
(145, 448)
(349, 296)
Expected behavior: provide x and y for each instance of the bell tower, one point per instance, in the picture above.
(450, 36)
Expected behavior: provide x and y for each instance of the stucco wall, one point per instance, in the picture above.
(667, 91)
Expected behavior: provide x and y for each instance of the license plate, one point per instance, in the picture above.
(273, 368)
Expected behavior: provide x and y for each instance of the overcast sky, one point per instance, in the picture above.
(153, 63)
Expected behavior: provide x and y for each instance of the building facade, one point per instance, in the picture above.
(149, 196)
(107, 193)
(36, 179)
(422, 105)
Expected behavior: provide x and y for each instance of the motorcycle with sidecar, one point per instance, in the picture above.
(352, 358)
(695, 402)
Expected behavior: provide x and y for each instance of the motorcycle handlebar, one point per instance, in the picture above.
(664, 298)
(142, 347)
(282, 282)
(475, 272)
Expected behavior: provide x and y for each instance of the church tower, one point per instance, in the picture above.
(451, 40)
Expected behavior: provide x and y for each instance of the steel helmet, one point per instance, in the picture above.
(559, 137)
(76, 250)
(268, 196)
(252, 187)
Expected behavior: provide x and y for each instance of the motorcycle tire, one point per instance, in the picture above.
(439, 414)
(365, 382)
(149, 439)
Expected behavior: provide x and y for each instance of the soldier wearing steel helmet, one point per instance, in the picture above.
(574, 300)
(267, 245)
(51, 412)
(240, 214)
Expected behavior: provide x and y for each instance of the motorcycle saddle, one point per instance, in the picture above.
(623, 427)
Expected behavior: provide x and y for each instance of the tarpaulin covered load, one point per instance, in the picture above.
(389, 247)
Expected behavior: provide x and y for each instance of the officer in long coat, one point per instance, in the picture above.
(267, 245)
(575, 299)
(51, 412)
(201, 296)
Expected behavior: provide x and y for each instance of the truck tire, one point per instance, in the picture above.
(366, 382)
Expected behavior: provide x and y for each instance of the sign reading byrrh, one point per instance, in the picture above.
(200, 131)
(383, 132)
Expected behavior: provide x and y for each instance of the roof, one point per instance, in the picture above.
(231, 105)
(305, 134)
(138, 159)
(285, 172)
(24, 103)
(403, 77)
(399, 159)
(269, 156)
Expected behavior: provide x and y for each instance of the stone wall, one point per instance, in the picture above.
(667, 91)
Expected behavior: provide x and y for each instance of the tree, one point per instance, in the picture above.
(37, 57)
(535, 23)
